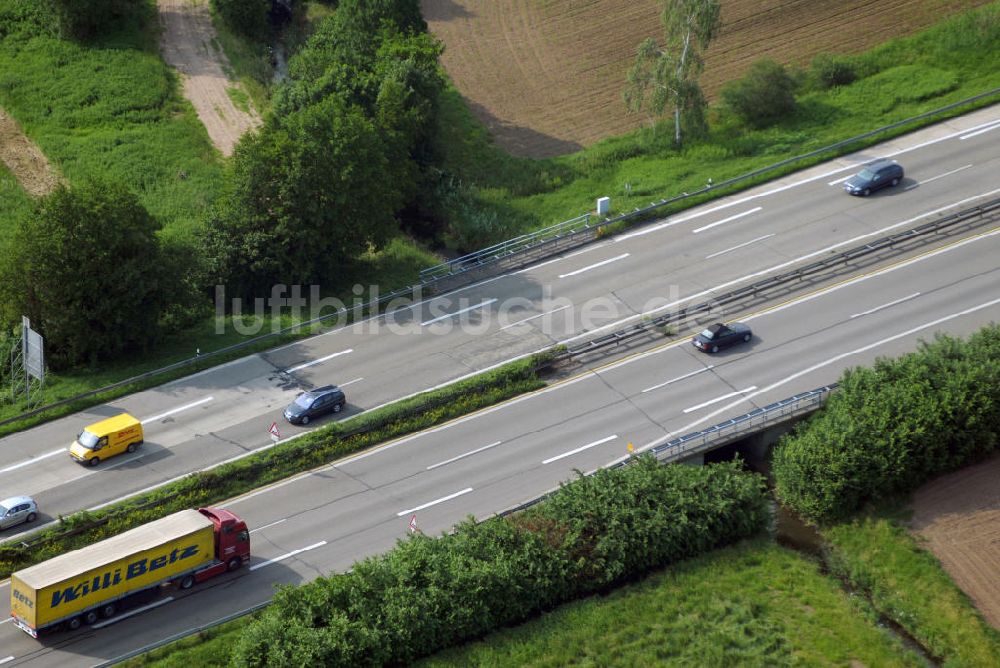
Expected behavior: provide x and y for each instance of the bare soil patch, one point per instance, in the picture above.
(958, 516)
(24, 159)
(547, 77)
(189, 46)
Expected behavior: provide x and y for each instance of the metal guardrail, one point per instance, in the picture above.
(506, 248)
(551, 240)
(359, 310)
(183, 634)
(719, 434)
(985, 211)
(581, 226)
(692, 443)
(754, 421)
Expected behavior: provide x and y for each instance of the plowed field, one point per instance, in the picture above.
(546, 76)
(958, 515)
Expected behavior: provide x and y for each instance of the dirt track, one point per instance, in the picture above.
(959, 517)
(547, 77)
(24, 159)
(188, 46)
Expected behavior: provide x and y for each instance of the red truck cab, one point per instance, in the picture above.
(232, 543)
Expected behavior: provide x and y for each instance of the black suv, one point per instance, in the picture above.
(875, 175)
(322, 400)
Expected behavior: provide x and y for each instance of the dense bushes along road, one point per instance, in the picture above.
(889, 428)
(426, 594)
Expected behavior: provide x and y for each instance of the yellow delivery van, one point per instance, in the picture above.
(107, 438)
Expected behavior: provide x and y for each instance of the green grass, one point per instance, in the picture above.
(754, 604)
(397, 265)
(113, 109)
(206, 649)
(13, 200)
(907, 584)
(946, 63)
(314, 449)
(249, 64)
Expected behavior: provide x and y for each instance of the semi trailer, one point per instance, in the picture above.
(95, 582)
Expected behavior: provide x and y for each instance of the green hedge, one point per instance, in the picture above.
(314, 449)
(891, 427)
(427, 594)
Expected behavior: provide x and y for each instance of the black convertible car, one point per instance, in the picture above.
(718, 336)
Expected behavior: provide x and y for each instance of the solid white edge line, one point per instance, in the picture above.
(726, 220)
(268, 525)
(595, 265)
(287, 555)
(176, 410)
(34, 459)
(485, 302)
(580, 449)
(772, 269)
(318, 361)
(718, 399)
(630, 360)
(132, 613)
(493, 409)
(434, 502)
(538, 315)
(935, 178)
(989, 126)
(679, 378)
(882, 341)
(887, 305)
(466, 454)
(738, 246)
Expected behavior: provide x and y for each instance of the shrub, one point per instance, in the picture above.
(87, 268)
(764, 96)
(830, 70)
(427, 594)
(889, 428)
(86, 19)
(247, 17)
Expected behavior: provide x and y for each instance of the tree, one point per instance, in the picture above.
(248, 17)
(764, 96)
(308, 193)
(85, 19)
(668, 75)
(86, 268)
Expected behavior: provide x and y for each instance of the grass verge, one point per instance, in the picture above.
(751, 604)
(130, 124)
(210, 648)
(878, 556)
(314, 449)
(398, 265)
(946, 63)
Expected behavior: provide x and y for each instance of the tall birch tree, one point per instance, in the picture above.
(667, 76)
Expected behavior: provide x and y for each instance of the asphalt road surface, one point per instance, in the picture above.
(496, 459)
(324, 520)
(225, 412)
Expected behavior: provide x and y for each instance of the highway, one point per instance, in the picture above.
(481, 464)
(505, 455)
(225, 412)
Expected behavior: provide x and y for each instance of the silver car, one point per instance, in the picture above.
(17, 509)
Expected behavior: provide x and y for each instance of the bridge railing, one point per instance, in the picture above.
(719, 434)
